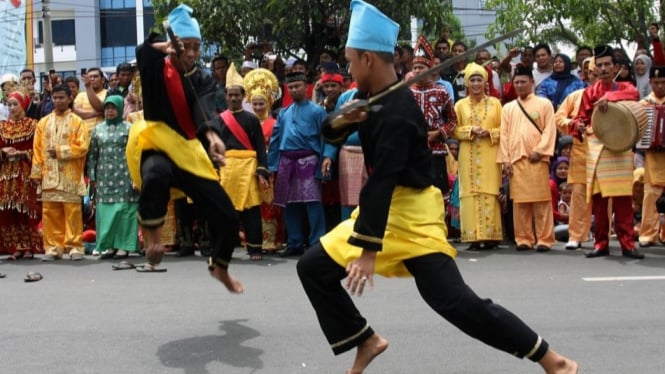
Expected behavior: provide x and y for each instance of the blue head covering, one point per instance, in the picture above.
(560, 160)
(183, 24)
(370, 29)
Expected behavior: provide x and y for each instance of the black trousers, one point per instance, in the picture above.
(440, 284)
(440, 171)
(251, 222)
(159, 174)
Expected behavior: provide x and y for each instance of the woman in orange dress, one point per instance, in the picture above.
(262, 89)
(20, 212)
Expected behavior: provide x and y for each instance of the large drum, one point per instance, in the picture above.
(621, 126)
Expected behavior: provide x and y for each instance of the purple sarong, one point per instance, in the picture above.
(295, 181)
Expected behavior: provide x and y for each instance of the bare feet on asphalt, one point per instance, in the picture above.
(231, 284)
(366, 352)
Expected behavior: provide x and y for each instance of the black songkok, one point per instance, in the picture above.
(295, 77)
(657, 72)
(603, 51)
(523, 70)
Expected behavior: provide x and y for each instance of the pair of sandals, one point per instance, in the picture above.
(142, 268)
(27, 255)
(32, 276)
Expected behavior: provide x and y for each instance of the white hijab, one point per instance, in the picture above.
(643, 85)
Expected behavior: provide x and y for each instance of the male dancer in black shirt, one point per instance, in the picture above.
(398, 229)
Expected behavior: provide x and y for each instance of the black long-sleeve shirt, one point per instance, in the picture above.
(156, 103)
(394, 143)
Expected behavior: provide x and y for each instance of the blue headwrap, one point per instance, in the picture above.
(183, 24)
(371, 30)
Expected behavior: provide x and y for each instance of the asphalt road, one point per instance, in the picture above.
(85, 318)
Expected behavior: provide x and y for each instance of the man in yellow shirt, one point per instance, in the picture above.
(60, 147)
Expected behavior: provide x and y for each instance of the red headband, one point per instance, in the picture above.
(330, 77)
(23, 100)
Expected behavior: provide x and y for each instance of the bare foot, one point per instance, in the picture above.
(231, 284)
(154, 250)
(554, 363)
(366, 352)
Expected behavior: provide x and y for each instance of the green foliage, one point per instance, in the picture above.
(575, 22)
(291, 25)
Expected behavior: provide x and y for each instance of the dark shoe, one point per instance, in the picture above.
(522, 248)
(121, 254)
(205, 251)
(597, 252)
(543, 248)
(475, 246)
(184, 252)
(646, 244)
(634, 253)
(291, 252)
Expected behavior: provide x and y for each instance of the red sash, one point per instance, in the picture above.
(176, 94)
(236, 129)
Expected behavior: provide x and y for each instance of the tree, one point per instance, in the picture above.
(576, 22)
(287, 26)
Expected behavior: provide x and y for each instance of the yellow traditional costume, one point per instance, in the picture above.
(479, 174)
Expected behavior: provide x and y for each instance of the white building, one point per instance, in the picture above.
(90, 33)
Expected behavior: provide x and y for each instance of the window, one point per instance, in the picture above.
(118, 27)
(62, 32)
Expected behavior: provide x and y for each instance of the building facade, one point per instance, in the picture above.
(90, 33)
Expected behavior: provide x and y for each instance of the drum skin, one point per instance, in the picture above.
(621, 126)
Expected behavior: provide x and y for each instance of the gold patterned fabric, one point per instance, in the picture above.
(479, 174)
(61, 176)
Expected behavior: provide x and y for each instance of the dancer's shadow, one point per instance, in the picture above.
(194, 354)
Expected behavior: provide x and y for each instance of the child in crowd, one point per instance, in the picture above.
(563, 208)
(638, 197)
(558, 176)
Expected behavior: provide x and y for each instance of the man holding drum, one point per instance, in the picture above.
(654, 174)
(609, 173)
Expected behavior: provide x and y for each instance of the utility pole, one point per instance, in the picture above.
(48, 40)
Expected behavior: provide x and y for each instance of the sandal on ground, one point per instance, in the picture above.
(255, 257)
(28, 255)
(107, 254)
(149, 268)
(121, 254)
(16, 256)
(2, 275)
(123, 265)
(33, 276)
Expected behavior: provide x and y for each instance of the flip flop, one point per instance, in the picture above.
(147, 268)
(3, 275)
(33, 276)
(123, 265)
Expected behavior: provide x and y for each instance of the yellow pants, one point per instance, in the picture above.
(62, 227)
(650, 227)
(579, 221)
(528, 215)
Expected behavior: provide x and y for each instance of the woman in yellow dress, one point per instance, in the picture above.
(478, 129)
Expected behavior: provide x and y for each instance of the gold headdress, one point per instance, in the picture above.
(233, 78)
(262, 83)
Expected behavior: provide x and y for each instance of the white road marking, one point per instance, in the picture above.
(618, 279)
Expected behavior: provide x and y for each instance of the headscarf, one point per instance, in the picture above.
(119, 103)
(642, 81)
(563, 79)
(23, 99)
(560, 160)
(474, 69)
